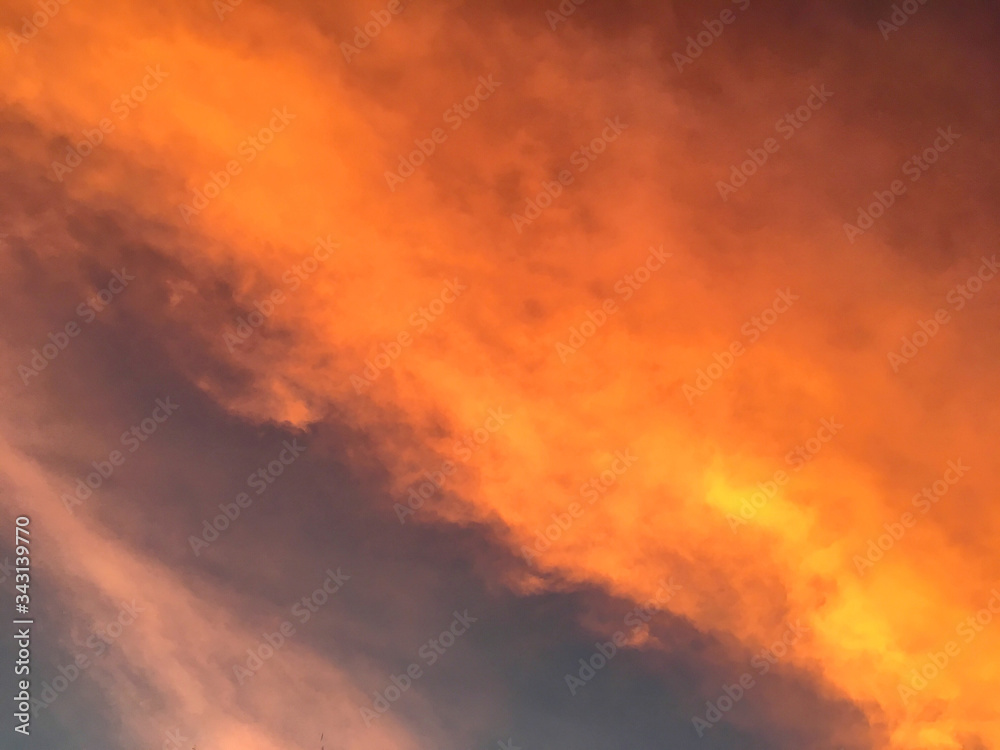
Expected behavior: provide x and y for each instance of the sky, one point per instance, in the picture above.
(476, 375)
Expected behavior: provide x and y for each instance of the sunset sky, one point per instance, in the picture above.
(481, 375)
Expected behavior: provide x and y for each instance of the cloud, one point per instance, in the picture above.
(323, 175)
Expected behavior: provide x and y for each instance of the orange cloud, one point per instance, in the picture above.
(759, 302)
